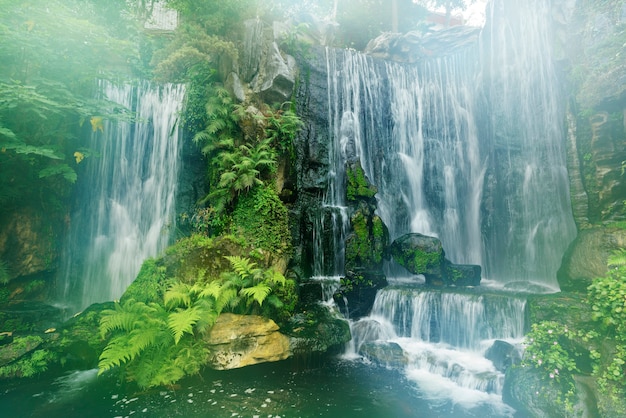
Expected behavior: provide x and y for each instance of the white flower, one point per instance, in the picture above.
(551, 376)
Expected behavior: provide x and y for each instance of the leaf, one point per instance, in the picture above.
(182, 321)
(65, 170)
(258, 292)
(179, 294)
(79, 156)
(97, 123)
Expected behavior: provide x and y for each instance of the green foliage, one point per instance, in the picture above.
(5, 274)
(547, 351)
(253, 286)
(159, 343)
(149, 341)
(216, 17)
(149, 284)
(263, 219)
(607, 297)
(358, 187)
(52, 52)
(29, 366)
(30, 361)
(282, 126)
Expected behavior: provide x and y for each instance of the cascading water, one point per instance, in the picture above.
(469, 148)
(529, 222)
(126, 203)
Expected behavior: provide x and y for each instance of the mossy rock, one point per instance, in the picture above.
(420, 254)
(316, 330)
(358, 187)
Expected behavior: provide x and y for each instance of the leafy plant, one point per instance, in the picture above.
(148, 340)
(159, 343)
(607, 297)
(546, 351)
(263, 219)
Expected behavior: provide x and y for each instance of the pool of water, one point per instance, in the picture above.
(331, 388)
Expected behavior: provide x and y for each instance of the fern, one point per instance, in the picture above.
(177, 295)
(115, 353)
(124, 317)
(182, 321)
(241, 265)
(257, 293)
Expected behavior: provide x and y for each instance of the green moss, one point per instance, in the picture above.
(423, 260)
(358, 187)
(358, 245)
(261, 217)
(149, 284)
(365, 246)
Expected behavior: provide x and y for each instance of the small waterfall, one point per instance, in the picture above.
(126, 201)
(443, 337)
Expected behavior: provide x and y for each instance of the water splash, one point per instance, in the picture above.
(126, 202)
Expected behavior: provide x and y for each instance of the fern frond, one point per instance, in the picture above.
(275, 277)
(116, 352)
(177, 295)
(123, 317)
(241, 265)
(182, 322)
(257, 293)
(213, 289)
(274, 301)
(228, 298)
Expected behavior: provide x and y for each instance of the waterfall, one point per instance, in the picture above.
(467, 147)
(529, 221)
(443, 337)
(126, 199)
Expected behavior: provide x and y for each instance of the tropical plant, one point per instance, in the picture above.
(159, 343)
(252, 286)
(148, 340)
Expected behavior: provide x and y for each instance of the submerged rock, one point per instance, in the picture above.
(388, 354)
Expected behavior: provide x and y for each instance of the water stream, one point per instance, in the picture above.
(126, 201)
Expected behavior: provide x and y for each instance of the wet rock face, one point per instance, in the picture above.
(28, 243)
(411, 47)
(586, 258)
(420, 254)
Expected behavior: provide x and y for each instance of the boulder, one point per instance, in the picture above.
(277, 75)
(462, 274)
(420, 254)
(586, 258)
(242, 340)
(387, 354)
(503, 355)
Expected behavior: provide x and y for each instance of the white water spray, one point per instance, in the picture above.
(126, 207)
